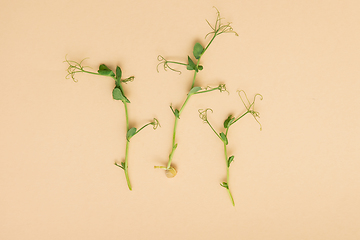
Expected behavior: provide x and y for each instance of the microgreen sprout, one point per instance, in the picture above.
(117, 94)
(223, 136)
(193, 65)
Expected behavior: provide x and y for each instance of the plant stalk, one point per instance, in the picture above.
(184, 104)
(127, 148)
(227, 175)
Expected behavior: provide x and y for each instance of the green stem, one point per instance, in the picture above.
(127, 148)
(213, 129)
(239, 118)
(179, 63)
(173, 145)
(205, 91)
(183, 106)
(193, 81)
(82, 70)
(227, 176)
(142, 128)
(95, 73)
(207, 46)
(174, 132)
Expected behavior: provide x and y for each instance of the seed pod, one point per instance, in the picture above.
(170, 173)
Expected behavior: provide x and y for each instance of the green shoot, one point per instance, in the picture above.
(117, 94)
(223, 136)
(193, 65)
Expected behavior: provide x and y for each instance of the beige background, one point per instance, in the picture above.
(296, 179)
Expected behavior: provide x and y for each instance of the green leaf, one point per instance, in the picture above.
(230, 160)
(225, 185)
(194, 90)
(175, 112)
(191, 65)
(198, 50)
(118, 72)
(175, 146)
(118, 76)
(122, 165)
(131, 132)
(105, 71)
(228, 121)
(224, 138)
(118, 95)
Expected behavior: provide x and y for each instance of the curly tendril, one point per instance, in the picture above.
(155, 123)
(250, 106)
(222, 88)
(220, 28)
(74, 67)
(203, 114)
(166, 64)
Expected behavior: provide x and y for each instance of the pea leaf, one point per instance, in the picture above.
(122, 165)
(225, 185)
(118, 76)
(198, 50)
(224, 138)
(191, 65)
(228, 121)
(131, 132)
(118, 95)
(200, 67)
(175, 112)
(194, 90)
(105, 71)
(230, 160)
(118, 72)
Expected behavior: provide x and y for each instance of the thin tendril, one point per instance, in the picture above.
(203, 114)
(222, 88)
(74, 67)
(155, 123)
(250, 107)
(219, 28)
(166, 65)
(209, 24)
